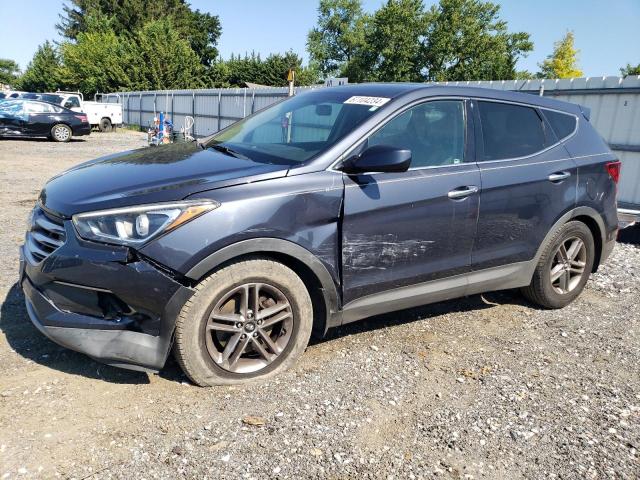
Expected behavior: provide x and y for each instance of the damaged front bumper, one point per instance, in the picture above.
(100, 300)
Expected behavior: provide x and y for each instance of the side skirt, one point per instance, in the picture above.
(504, 277)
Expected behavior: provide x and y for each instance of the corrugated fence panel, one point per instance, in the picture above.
(614, 104)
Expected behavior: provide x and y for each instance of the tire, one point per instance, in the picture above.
(105, 125)
(550, 292)
(200, 345)
(61, 133)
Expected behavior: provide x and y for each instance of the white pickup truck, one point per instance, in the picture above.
(105, 116)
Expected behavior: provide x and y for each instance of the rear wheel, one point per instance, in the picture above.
(563, 268)
(249, 320)
(61, 133)
(105, 125)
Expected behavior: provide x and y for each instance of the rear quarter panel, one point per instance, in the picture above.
(596, 189)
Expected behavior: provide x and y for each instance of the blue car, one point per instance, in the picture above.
(323, 209)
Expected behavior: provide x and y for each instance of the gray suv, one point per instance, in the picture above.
(325, 208)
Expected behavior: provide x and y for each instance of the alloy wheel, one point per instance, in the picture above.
(61, 133)
(249, 327)
(568, 265)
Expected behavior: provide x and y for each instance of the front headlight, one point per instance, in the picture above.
(133, 226)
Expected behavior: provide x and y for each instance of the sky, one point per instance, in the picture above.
(607, 31)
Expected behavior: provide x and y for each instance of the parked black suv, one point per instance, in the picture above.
(325, 208)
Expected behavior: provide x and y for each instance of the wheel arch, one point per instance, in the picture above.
(319, 282)
(65, 123)
(591, 218)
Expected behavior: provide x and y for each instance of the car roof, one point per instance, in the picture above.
(38, 101)
(396, 90)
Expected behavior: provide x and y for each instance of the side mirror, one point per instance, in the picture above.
(378, 159)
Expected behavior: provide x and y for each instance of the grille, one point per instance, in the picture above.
(45, 236)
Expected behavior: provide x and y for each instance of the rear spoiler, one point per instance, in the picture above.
(586, 111)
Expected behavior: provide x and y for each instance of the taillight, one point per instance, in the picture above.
(613, 168)
(82, 118)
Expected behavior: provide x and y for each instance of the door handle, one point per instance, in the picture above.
(559, 176)
(463, 192)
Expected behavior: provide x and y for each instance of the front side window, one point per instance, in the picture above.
(433, 131)
(510, 131)
(297, 129)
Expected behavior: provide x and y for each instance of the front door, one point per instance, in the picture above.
(38, 118)
(401, 229)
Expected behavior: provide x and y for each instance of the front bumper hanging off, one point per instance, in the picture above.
(102, 301)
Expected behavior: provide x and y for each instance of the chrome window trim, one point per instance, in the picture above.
(539, 152)
(395, 114)
(441, 174)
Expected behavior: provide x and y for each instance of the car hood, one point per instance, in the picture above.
(149, 175)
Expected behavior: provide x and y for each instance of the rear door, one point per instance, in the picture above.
(528, 182)
(404, 228)
(39, 118)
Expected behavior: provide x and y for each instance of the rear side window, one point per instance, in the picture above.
(510, 131)
(563, 124)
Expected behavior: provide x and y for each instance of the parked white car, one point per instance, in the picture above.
(105, 116)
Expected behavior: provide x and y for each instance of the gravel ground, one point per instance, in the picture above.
(481, 387)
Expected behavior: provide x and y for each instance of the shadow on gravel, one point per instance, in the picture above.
(458, 305)
(27, 341)
(630, 235)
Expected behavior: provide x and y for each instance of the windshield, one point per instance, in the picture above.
(297, 129)
(10, 105)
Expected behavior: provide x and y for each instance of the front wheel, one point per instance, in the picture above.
(563, 268)
(249, 320)
(61, 133)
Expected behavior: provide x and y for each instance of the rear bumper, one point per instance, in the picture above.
(627, 216)
(82, 130)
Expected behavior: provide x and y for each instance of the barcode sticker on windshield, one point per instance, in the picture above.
(370, 101)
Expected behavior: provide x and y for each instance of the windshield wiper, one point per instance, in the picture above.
(229, 151)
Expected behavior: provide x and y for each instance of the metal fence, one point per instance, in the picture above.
(211, 109)
(614, 104)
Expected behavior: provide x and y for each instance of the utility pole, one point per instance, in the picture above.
(291, 78)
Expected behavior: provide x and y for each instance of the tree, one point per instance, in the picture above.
(453, 40)
(9, 71)
(201, 30)
(237, 71)
(563, 62)
(630, 70)
(393, 42)
(99, 60)
(467, 40)
(165, 60)
(44, 72)
(338, 37)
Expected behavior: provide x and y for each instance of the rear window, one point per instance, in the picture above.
(563, 124)
(510, 131)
